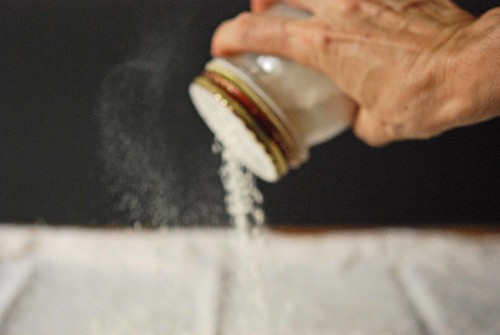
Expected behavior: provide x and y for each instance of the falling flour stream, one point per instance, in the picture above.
(245, 303)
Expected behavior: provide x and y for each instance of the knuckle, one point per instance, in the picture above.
(243, 20)
(396, 131)
(348, 7)
(428, 132)
(413, 129)
(242, 27)
(322, 40)
(373, 141)
(325, 42)
(368, 135)
(286, 30)
(358, 130)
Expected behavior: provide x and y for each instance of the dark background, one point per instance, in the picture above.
(96, 128)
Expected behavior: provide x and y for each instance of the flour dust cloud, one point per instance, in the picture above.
(158, 168)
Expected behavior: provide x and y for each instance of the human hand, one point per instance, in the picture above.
(416, 68)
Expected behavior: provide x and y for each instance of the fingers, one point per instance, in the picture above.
(265, 34)
(374, 132)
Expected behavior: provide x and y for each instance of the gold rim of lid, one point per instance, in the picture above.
(261, 137)
(282, 134)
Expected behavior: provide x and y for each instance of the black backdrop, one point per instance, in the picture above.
(96, 128)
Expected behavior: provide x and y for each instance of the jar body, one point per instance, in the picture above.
(270, 111)
(311, 103)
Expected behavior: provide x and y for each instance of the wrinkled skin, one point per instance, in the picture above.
(416, 68)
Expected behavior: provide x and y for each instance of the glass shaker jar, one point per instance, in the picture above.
(267, 111)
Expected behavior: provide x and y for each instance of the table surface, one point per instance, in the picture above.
(209, 281)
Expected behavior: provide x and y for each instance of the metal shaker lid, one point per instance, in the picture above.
(237, 131)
